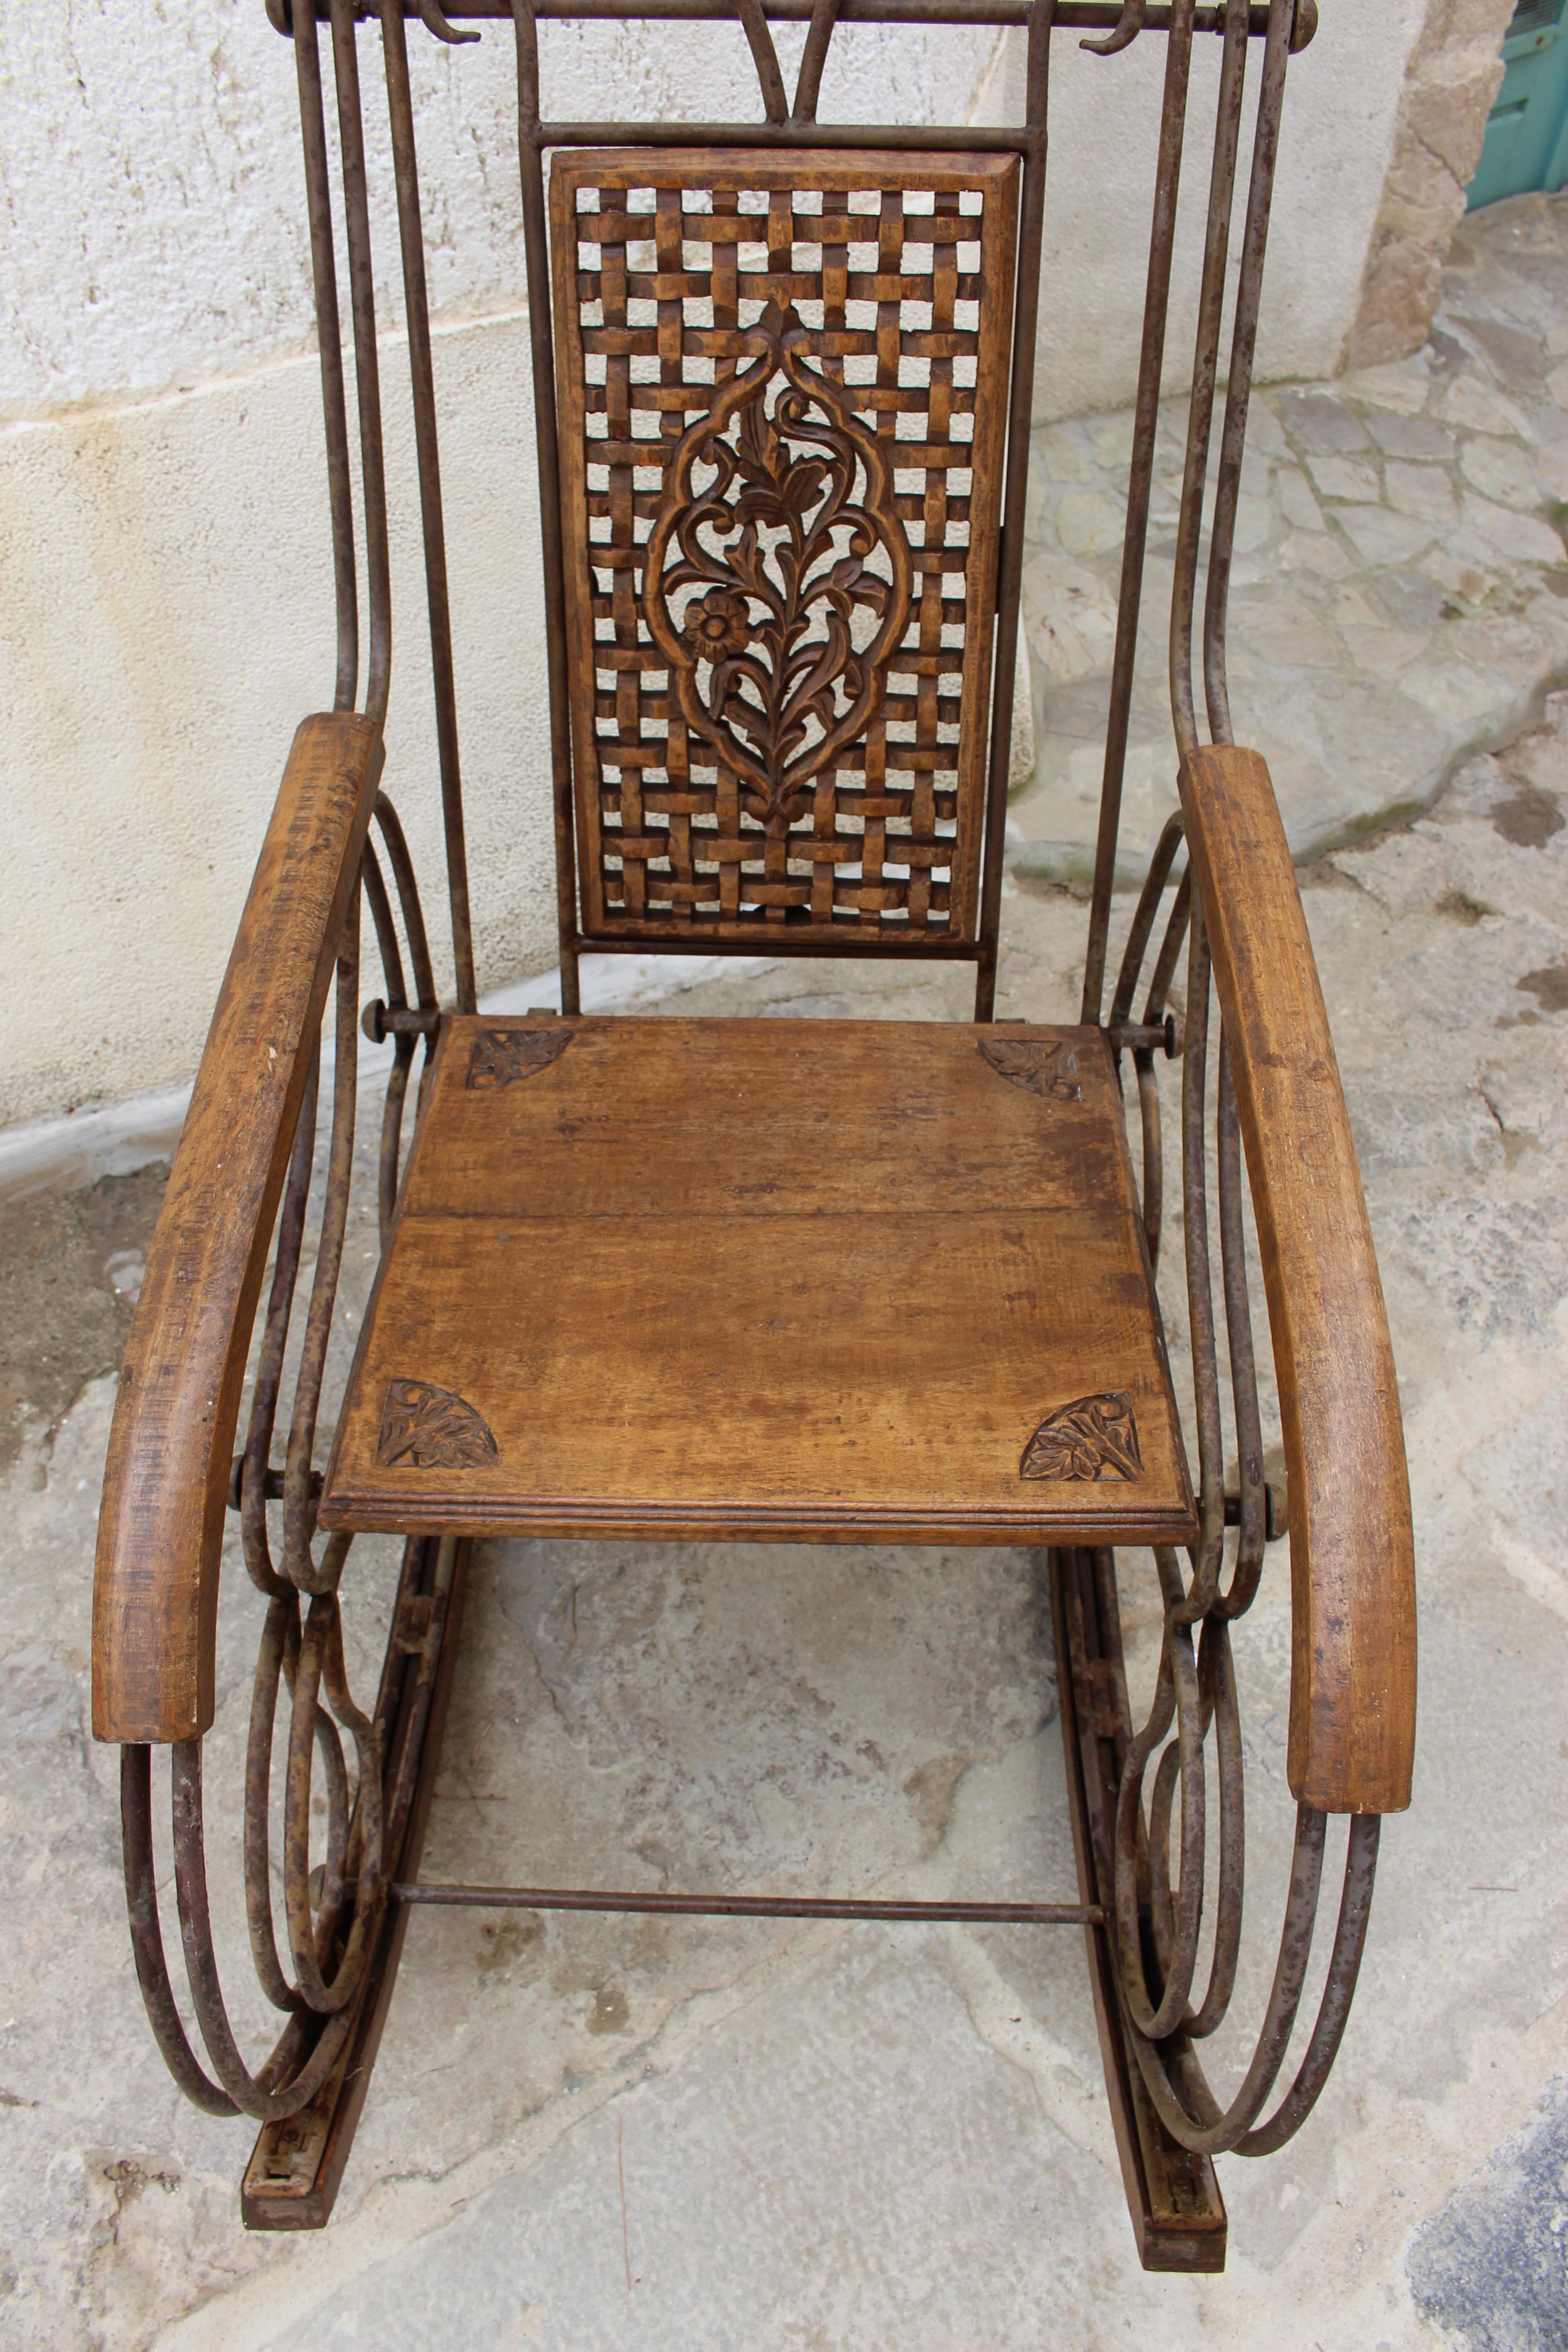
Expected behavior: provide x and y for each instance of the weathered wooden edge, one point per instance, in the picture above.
(564, 1518)
(171, 1445)
(1352, 1680)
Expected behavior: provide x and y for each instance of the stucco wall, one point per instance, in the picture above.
(1341, 108)
(164, 615)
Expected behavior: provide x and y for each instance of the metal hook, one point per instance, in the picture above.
(431, 17)
(1132, 14)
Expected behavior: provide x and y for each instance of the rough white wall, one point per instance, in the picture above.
(1342, 104)
(164, 583)
(154, 190)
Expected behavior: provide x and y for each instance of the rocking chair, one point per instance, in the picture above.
(726, 1280)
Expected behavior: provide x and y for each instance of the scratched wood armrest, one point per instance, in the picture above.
(1352, 1677)
(172, 1444)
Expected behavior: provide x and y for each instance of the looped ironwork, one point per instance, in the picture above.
(1158, 1911)
(333, 1909)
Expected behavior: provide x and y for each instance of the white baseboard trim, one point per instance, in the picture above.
(116, 1138)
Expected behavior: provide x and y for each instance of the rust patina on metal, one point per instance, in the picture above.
(1143, 1913)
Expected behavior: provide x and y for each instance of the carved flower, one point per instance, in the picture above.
(716, 625)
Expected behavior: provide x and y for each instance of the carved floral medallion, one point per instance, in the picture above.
(1093, 1437)
(776, 547)
(1038, 1066)
(426, 1428)
(501, 1056)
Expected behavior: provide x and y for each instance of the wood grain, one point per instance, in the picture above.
(763, 1278)
(1352, 1682)
(172, 1441)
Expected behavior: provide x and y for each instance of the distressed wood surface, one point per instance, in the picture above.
(763, 1279)
(171, 1442)
(1352, 1682)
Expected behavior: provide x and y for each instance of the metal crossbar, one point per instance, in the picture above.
(747, 1906)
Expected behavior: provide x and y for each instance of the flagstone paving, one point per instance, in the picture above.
(1400, 584)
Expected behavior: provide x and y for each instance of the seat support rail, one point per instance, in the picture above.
(747, 1906)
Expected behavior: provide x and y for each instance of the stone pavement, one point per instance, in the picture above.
(1400, 575)
(631, 2134)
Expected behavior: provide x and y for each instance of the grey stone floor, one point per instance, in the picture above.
(629, 2133)
(1397, 596)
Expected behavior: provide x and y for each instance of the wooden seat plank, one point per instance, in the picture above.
(765, 1278)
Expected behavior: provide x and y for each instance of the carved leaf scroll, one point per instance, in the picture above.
(1040, 1068)
(1093, 1437)
(426, 1428)
(501, 1056)
(782, 541)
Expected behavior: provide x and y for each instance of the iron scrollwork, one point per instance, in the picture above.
(333, 1908)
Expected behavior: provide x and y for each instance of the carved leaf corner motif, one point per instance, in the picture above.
(758, 575)
(425, 1428)
(1093, 1437)
(501, 1056)
(1039, 1066)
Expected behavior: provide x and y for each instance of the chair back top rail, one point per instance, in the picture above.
(811, 888)
(1070, 15)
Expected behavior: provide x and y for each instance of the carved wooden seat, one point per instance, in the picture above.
(752, 1279)
(835, 1280)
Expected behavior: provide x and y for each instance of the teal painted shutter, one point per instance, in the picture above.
(1527, 134)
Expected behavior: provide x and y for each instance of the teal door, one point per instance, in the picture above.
(1527, 132)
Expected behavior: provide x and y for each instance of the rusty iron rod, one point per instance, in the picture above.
(744, 1906)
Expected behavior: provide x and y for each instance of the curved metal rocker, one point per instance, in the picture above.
(789, 363)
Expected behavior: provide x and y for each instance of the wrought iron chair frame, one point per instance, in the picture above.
(171, 1470)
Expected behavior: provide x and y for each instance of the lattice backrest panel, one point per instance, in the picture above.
(783, 404)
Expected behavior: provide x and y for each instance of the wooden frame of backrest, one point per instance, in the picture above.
(738, 250)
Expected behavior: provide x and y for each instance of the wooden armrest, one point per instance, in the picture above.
(1353, 1677)
(170, 1448)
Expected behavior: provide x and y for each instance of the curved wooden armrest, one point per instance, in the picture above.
(160, 1530)
(1352, 1678)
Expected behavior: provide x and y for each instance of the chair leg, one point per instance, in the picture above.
(1177, 2212)
(296, 2167)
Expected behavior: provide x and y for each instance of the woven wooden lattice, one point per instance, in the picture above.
(783, 399)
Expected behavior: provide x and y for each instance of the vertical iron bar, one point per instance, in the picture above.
(1026, 320)
(367, 372)
(1206, 367)
(422, 372)
(1244, 343)
(536, 251)
(330, 343)
(1156, 304)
